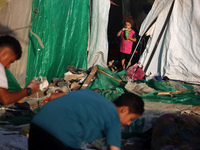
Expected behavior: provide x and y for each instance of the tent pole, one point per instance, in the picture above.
(159, 37)
(139, 41)
(133, 52)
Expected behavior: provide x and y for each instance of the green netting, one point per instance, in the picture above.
(188, 98)
(13, 85)
(63, 29)
(110, 88)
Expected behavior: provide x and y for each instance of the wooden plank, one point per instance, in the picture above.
(89, 78)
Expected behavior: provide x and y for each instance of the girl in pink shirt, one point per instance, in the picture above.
(128, 36)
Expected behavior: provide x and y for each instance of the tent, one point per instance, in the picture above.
(173, 48)
(55, 34)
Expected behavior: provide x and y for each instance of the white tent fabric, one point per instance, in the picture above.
(98, 49)
(15, 14)
(157, 8)
(178, 51)
(12, 17)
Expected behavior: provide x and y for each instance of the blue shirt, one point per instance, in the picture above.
(82, 115)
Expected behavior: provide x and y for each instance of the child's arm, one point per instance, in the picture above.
(131, 39)
(120, 32)
(114, 147)
(56, 95)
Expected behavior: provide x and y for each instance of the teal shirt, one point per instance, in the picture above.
(81, 116)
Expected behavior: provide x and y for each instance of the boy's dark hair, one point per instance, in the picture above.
(12, 43)
(128, 18)
(134, 102)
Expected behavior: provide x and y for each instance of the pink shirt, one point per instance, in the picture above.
(126, 45)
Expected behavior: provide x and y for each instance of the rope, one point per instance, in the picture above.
(15, 29)
(2, 3)
(38, 38)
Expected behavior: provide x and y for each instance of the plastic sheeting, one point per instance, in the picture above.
(186, 98)
(63, 29)
(177, 54)
(15, 16)
(98, 51)
(110, 88)
(157, 8)
(13, 85)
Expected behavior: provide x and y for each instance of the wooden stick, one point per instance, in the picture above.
(92, 73)
(89, 78)
(174, 92)
(118, 80)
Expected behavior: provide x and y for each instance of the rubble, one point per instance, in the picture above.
(74, 79)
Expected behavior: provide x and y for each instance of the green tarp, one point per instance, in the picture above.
(186, 98)
(13, 85)
(63, 29)
(111, 89)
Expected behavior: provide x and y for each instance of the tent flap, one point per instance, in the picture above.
(98, 51)
(177, 52)
(15, 21)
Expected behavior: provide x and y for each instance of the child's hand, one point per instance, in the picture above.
(123, 29)
(56, 95)
(34, 85)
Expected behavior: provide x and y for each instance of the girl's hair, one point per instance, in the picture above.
(128, 18)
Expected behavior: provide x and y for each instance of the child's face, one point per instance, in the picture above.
(128, 118)
(125, 117)
(7, 57)
(128, 25)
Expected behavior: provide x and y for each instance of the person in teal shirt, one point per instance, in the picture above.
(83, 116)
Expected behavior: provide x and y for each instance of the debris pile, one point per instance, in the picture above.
(111, 82)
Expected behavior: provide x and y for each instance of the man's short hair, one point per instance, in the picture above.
(12, 43)
(134, 102)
